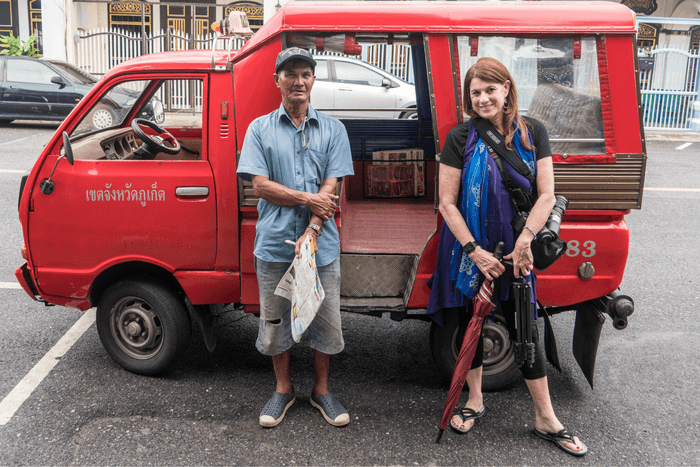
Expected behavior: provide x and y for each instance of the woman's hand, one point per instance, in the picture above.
(521, 255)
(487, 263)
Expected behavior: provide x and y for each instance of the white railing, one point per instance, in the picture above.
(101, 49)
(668, 79)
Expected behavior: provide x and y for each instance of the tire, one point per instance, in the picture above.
(500, 370)
(143, 326)
(102, 117)
(409, 115)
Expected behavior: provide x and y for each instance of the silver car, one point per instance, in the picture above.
(350, 88)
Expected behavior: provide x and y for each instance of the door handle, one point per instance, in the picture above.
(192, 191)
(344, 89)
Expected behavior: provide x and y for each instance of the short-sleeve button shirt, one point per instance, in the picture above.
(273, 147)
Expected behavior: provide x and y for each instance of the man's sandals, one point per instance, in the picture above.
(558, 437)
(273, 412)
(466, 414)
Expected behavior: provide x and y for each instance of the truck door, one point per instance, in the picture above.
(115, 206)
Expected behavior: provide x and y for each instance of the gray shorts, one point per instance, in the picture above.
(325, 333)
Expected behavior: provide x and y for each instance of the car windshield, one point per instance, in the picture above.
(76, 74)
(114, 106)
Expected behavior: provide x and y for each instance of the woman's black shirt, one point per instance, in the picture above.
(453, 150)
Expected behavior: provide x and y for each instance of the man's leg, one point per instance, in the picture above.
(275, 339)
(326, 339)
(280, 362)
(322, 365)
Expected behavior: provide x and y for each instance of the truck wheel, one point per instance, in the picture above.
(143, 326)
(500, 370)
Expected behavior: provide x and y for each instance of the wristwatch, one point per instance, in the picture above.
(470, 247)
(317, 228)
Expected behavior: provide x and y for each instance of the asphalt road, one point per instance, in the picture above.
(88, 411)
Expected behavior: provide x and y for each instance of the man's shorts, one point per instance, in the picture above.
(325, 333)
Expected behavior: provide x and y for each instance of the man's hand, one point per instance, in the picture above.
(300, 241)
(322, 204)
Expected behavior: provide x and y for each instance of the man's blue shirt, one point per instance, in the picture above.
(273, 148)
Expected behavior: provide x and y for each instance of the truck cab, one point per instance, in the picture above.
(150, 224)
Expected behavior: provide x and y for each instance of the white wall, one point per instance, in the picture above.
(57, 24)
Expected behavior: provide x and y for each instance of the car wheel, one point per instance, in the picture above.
(143, 326)
(409, 115)
(500, 370)
(102, 117)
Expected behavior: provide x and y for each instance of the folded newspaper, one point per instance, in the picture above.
(302, 286)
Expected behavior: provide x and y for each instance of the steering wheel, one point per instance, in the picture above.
(155, 143)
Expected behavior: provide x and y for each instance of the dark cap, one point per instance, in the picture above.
(294, 53)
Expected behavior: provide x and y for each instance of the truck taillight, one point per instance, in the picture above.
(24, 252)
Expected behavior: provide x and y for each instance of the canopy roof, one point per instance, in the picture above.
(451, 17)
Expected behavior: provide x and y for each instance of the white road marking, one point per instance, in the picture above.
(680, 190)
(11, 171)
(10, 285)
(14, 400)
(683, 146)
(15, 141)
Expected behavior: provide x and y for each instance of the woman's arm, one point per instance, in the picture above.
(522, 254)
(450, 180)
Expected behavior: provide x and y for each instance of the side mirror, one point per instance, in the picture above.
(67, 149)
(47, 185)
(158, 111)
(60, 81)
(386, 83)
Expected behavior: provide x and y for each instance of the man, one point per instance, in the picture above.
(295, 157)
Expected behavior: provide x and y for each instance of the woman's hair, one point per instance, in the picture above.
(492, 71)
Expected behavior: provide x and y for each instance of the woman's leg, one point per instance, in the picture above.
(476, 398)
(545, 419)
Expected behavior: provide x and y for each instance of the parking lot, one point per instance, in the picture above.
(86, 410)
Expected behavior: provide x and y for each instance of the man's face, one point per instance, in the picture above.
(295, 81)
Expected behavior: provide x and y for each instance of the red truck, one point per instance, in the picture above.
(143, 220)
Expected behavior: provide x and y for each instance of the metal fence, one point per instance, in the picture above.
(668, 79)
(101, 49)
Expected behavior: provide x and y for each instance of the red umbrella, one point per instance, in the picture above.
(483, 305)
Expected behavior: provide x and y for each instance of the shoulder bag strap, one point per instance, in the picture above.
(493, 138)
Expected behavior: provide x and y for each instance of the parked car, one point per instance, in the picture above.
(38, 89)
(348, 83)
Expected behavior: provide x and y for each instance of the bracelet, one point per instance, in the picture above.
(533, 233)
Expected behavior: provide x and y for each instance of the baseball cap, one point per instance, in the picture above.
(294, 53)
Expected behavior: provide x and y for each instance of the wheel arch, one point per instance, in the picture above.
(134, 270)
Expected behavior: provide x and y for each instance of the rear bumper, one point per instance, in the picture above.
(25, 280)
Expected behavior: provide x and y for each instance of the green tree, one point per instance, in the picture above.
(12, 45)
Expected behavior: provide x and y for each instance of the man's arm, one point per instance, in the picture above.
(321, 204)
(328, 186)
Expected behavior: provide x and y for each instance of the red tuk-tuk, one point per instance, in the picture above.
(142, 230)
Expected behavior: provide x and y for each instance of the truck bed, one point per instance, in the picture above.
(392, 226)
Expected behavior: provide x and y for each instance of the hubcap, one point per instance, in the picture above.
(498, 351)
(102, 118)
(136, 328)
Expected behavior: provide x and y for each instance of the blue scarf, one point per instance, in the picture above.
(476, 180)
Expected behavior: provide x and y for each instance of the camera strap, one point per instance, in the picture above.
(522, 199)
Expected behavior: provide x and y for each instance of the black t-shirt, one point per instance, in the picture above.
(453, 150)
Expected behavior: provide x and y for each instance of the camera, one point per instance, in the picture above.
(550, 231)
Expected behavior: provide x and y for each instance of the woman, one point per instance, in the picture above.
(478, 210)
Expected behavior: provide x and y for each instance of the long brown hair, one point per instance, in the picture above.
(492, 71)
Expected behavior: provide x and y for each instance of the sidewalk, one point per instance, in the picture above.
(684, 136)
